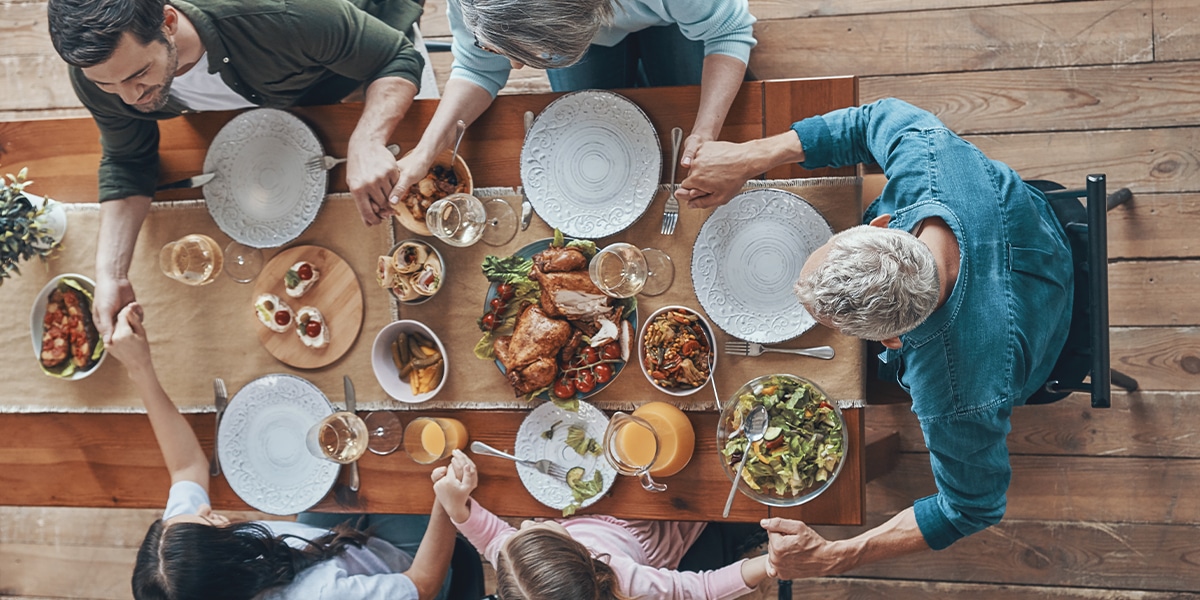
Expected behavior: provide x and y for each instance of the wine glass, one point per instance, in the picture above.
(619, 270)
(660, 272)
(458, 219)
(501, 222)
(193, 259)
(384, 433)
(242, 262)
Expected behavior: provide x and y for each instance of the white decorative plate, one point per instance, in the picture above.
(591, 163)
(747, 258)
(531, 445)
(261, 443)
(263, 195)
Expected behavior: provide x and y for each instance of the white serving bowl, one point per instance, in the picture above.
(385, 369)
(641, 349)
(38, 314)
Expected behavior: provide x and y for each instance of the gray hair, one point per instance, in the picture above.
(874, 283)
(545, 34)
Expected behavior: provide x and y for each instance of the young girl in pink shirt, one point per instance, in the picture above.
(586, 557)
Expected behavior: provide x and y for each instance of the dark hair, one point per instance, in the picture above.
(198, 561)
(86, 32)
(543, 564)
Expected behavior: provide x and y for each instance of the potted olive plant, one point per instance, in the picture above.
(29, 225)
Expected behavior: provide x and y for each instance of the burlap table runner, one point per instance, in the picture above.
(474, 383)
(201, 333)
(196, 333)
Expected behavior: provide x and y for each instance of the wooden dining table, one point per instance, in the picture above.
(101, 459)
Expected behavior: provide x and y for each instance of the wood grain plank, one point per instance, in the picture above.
(35, 82)
(1176, 30)
(1160, 358)
(975, 39)
(1084, 489)
(1111, 555)
(1145, 160)
(1155, 226)
(860, 588)
(1146, 424)
(92, 527)
(1054, 99)
(788, 101)
(797, 9)
(1154, 293)
(67, 571)
(23, 29)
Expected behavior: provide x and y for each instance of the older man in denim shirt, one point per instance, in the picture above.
(971, 297)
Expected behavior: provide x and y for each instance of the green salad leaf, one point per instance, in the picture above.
(578, 440)
(507, 269)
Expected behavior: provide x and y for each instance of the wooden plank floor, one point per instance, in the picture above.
(1103, 503)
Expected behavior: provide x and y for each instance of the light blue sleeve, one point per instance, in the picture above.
(725, 26)
(488, 71)
(331, 582)
(185, 498)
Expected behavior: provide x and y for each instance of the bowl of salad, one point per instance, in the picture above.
(804, 447)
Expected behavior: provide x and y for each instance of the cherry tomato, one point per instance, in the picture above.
(505, 291)
(312, 329)
(590, 355)
(283, 318)
(610, 351)
(585, 381)
(603, 371)
(498, 304)
(564, 387)
(305, 272)
(488, 322)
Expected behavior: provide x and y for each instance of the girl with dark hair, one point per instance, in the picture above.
(591, 557)
(194, 553)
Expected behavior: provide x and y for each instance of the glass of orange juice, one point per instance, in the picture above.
(430, 439)
(676, 437)
(631, 446)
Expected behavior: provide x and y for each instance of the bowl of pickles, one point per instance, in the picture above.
(409, 361)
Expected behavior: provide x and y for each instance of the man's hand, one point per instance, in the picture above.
(128, 343)
(453, 486)
(371, 174)
(795, 551)
(691, 146)
(112, 294)
(717, 173)
(412, 168)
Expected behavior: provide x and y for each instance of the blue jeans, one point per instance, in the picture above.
(402, 531)
(652, 57)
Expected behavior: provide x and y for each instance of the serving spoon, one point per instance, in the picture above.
(755, 427)
(460, 128)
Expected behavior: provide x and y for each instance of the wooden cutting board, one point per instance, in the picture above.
(337, 294)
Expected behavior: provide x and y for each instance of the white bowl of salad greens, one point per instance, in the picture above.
(804, 447)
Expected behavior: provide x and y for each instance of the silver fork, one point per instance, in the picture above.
(671, 210)
(544, 466)
(221, 396)
(318, 163)
(742, 348)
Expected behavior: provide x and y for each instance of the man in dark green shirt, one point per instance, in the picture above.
(135, 62)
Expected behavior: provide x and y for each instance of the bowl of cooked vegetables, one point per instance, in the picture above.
(409, 361)
(675, 350)
(804, 447)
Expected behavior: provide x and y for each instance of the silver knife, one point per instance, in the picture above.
(220, 395)
(351, 406)
(190, 182)
(526, 205)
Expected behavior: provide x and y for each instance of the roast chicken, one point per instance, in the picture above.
(529, 354)
(571, 295)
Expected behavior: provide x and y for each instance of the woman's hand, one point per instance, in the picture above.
(453, 486)
(129, 344)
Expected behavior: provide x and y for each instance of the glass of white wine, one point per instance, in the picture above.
(342, 437)
(457, 219)
(193, 259)
(619, 270)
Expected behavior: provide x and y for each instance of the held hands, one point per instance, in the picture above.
(795, 551)
(371, 173)
(112, 294)
(718, 170)
(453, 486)
(129, 344)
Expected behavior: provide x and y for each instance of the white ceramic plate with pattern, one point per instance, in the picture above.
(747, 258)
(263, 195)
(532, 445)
(591, 163)
(261, 443)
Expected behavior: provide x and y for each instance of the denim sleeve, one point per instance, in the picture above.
(871, 134)
(484, 69)
(969, 457)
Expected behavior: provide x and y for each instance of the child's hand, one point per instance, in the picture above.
(453, 486)
(129, 344)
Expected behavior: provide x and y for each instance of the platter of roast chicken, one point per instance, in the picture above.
(551, 332)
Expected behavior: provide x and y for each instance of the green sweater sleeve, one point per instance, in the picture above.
(129, 165)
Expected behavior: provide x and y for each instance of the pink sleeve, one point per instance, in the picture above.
(641, 581)
(485, 531)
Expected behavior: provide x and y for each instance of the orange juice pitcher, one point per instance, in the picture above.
(676, 437)
(631, 447)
